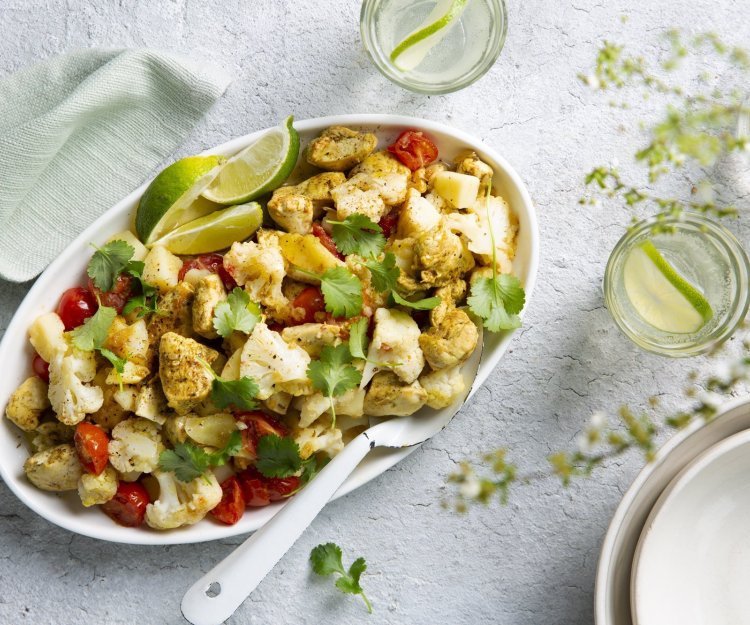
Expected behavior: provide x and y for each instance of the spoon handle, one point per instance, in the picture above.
(216, 595)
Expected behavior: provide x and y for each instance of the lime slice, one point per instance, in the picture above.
(416, 45)
(661, 295)
(172, 199)
(216, 231)
(258, 169)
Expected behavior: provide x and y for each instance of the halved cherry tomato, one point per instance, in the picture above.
(388, 223)
(91, 444)
(118, 296)
(232, 505)
(326, 240)
(209, 262)
(40, 367)
(76, 305)
(258, 424)
(254, 488)
(414, 149)
(311, 301)
(281, 487)
(128, 506)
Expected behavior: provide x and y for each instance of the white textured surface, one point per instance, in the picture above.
(530, 563)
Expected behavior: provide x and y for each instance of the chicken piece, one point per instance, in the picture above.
(390, 397)
(451, 342)
(295, 207)
(313, 337)
(443, 387)
(184, 378)
(208, 294)
(469, 163)
(417, 215)
(339, 148)
(441, 257)
(387, 174)
(359, 195)
(56, 469)
(27, 404)
(450, 296)
(175, 315)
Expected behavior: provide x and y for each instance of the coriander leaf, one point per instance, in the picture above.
(423, 304)
(384, 273)
(237, 312)
(358, 234)
(238, 393)
(497, 301)
(326, 559)
(342, 292)
(358, 338)
(145, 302)
(92, 334)
(310, 468)
(117, 362)
(108, 262)
(277, 456)
(333, 374)
(188, 461)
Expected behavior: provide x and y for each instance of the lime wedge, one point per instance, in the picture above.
(216, 231)
(172, 199)
(661, 295)
(258, 169)
(416, 45)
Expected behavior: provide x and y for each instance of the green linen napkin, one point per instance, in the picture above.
(80, 131)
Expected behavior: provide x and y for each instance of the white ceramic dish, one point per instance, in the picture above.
(612, 594)
(15, 351)
(692, 563)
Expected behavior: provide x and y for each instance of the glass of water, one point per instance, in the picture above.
(445, 45)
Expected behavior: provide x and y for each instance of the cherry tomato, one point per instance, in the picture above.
(414, 149)
(128, 506)
(40, 367)
(76, 305)
(388, 223)
(258, 424)
(326, 240)
(254, 488)
(209, 262)
(118, 296)
(232, 505)
(91, 444)
(281, 487)
(311, 301)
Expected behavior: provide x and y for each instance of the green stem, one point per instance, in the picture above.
(367, 602)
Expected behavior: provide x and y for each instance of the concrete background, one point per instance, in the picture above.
(529, 563)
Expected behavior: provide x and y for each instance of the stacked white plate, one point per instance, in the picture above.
(678, 548)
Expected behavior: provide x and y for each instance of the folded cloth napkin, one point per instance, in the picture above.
(78, 132)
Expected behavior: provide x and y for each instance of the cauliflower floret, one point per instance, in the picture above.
(417, 216)
(443, 387)
(390, 397)
(208, 294)
(295, 207)
(339, 148)
(182, 503)
(441, 256)
(385, 173)
(47, 335)
(358, 195)
(469, 163)
(56, 469)
(71, 398)
(27, 403)
(184, 378)
(312, 407)
(260, 268)
(135, 446)
(97, 489)
(318, 437)
(272, 362)
(395, 346)
(475, 226)
(313, 337)
(451, 342)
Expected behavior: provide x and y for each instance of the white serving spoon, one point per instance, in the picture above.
(216, 595)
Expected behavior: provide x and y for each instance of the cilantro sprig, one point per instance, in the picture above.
(146, 301)
(428, 303)
(383, 273)
(237, 312)
(342, 291)
(238, 394)
(497, 300)
(108, 262)
(92, 335)
(327, 559)
(333, 374)
(189, 461)
(358, 234)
